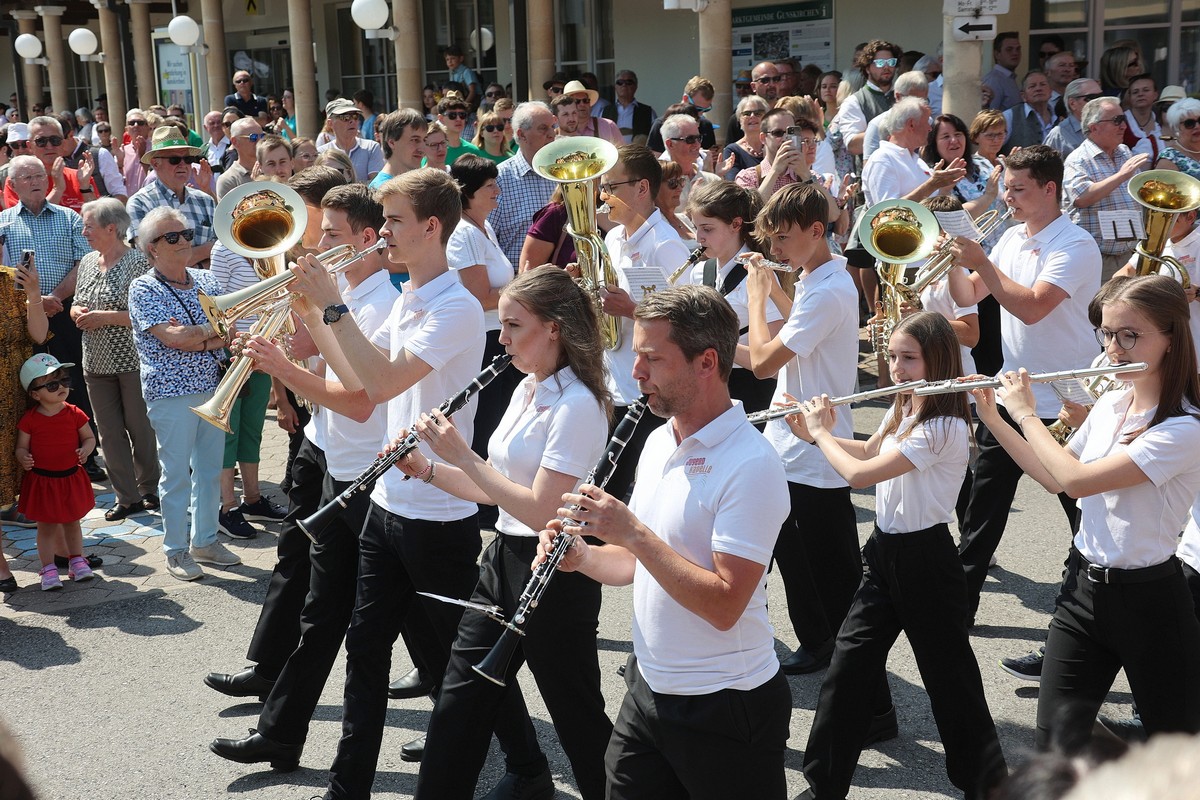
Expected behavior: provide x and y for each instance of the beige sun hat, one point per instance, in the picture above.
(166, 142)
(575, 87)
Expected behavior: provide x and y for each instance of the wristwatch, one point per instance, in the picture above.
(334, 313)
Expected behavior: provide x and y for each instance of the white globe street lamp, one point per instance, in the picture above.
(372, 16)
(83, 43)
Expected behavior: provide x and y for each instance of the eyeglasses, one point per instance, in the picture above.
(172, 237)
(994, 135)
(493, 128)
(1126, 339)
(880, 63)
(276, 108)
(52, 141)
(1190, 124)
(555, 90)
(808, 142)
(350, 116)
(456, 115)
(607, 188)
(778, 133)
(175, 161)
(625, 82)
(53, 386)
(135, 123)
(675, 183)
(768, 79)
(241, 80)
(34, 178)
(103, 130)
(693, 139)
(437, 145)
(754, 112)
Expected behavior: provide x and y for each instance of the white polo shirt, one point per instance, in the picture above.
(1137, 526)
(350, 446)
(892, 172)
(440, 323)
(822, 330)
(698, 496)
(654, 244)
(936, 297)
(1189, 543)
(469, 247)
(557, 424)
(925, 496)
(738, 299)
(1063, 255)
(1187, 250)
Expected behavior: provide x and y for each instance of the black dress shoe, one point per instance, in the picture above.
(413, 751)
(806, 660)
(411, 685)
(255, 748)
(95, 472)
(523, 787)
(63, 563)
(883, 728)
(246, 683)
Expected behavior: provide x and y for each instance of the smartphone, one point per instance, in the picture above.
(795, 134)
(26, 261)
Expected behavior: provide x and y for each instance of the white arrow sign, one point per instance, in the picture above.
(960, 8)
(974, 29)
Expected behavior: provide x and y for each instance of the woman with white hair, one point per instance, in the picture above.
(1183, 117)
(181, 362)
(747, 152)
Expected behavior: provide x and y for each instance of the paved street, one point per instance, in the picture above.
(102, 681)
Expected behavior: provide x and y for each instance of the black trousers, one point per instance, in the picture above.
(397, 558)
(699, 747)
(491, 405)
(622, 476)
(323, 622)
(912, 582)
(1148, 627)
(278, 629)
(989, 499)
(66, 344)
(755, 393)
(819, 561)
(560, 648)
(988, 353)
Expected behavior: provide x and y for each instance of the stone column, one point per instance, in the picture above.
(304, 70)
(56, 54)
(716, 57)
(406, 16)
(32, 73)
(143, 57)
(217, 60)
(962, 63)
(540, 24)
(114, 68)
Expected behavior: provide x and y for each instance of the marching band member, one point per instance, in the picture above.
(548, 439)
(1043, 273)
(704, 687)
(1135, 465)
(913, 579)
(817, 351)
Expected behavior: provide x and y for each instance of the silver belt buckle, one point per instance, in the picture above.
(1097, 574)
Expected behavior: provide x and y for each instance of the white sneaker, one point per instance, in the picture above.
(183, 567)
(216, 553)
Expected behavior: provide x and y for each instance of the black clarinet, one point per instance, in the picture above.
(315, 524)
(495, 663)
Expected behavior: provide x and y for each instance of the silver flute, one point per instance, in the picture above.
(960, 385)
(859, 397)
(744, 258)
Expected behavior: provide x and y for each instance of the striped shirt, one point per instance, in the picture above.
(522, 193)
(197, 208)
(55, 234)
(1086, 165)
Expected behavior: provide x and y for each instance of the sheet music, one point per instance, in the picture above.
(1121, 224)
(644, 280)
(1073, 389)
(958, 223)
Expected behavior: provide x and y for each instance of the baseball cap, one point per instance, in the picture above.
(40, 366)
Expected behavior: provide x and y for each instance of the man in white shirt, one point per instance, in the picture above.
(645, 249)
(1002, 79)
(218, 142)
(1043, 273)
(365, 154)
(910, 84)
(701, 637)
(895, 170)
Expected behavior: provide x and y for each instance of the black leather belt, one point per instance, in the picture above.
(55, 473)
(1098, 574)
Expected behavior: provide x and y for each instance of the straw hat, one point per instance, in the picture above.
(575, 87)
(166, 142)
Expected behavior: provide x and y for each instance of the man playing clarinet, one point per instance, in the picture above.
(704, 686)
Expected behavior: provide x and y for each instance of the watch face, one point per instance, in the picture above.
(332, 314)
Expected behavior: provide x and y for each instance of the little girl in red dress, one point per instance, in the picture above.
(53, 440)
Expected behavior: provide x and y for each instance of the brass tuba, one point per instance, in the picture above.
(897, 233)
(574, 163)
(1163, 194)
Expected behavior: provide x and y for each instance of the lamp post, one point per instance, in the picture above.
(29, 47)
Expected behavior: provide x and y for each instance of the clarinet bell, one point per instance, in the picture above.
(495, 663)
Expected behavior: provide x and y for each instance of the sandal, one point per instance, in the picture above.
(119, 511)
(150, 502)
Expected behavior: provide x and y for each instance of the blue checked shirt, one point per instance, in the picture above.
(55, 235)
(522, 193)
(197, 208)
(1086, 165)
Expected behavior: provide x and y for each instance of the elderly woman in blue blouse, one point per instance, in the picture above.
(180, 357)
(1183, 117)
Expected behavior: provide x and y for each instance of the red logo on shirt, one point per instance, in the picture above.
(696, 466)
(540, 409)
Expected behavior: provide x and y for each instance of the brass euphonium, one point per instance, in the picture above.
(897, 233)
(942, 259)
(575, 163)
(1163, 194)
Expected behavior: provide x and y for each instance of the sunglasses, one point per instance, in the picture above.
(52, 141)
(753, 113)
(880, 63)
(693, 139)
(675, 183)
(253, 137)
(19, 145)
(493, 128)
(136, 123)
(103, 130)
(242, 80)
(350, 116)
(700, 108)
(769, 79)
(1190, 124)
(175, 161)
(54, 386)
(778, 133)
(456, 115)
(555, 90)
(1118, 121)
(493, 94)
(626, 82)
(172, 237)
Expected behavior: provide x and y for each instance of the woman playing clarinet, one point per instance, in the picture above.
(554, 430)
(1135, 465)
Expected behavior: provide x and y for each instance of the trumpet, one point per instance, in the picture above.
(784, 410)
(960, 385)
(495, 663)
(314, 524)
(692, 261)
